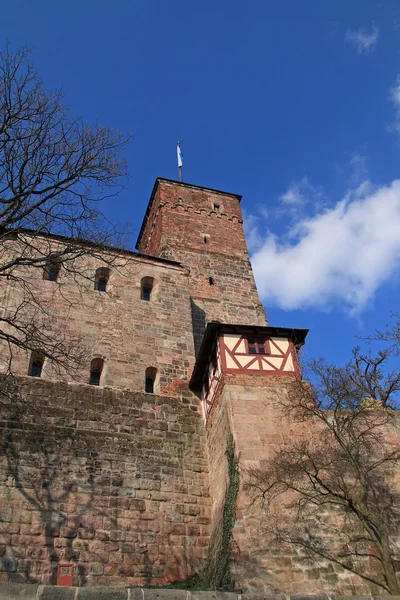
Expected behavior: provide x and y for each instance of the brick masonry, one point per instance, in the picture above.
(181, 218)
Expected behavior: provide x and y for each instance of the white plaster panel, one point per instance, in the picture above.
(289, 364)
(230, 363)
(241, 347)
(244, 360)
(255, 366)
(277, 362)
(282, 343)
(231, 340)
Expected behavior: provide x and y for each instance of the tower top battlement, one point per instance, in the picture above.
(182, 217)
(162, 181)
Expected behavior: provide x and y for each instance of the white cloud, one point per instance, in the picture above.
(296, 193)
(364, 41)
(251, 226)
(341, 256)
(299, 198)
(358, 164)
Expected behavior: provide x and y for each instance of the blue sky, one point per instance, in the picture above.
(295, 105)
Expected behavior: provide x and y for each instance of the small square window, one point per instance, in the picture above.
(52, 271)
(258, 346)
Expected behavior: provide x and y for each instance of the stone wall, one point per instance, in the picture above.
(34, 592)
(128, 333)
(202, 229)
(114, 482)
(249, 407)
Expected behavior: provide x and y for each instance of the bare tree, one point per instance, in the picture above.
(335, 489)
(391, 336)
(54, 172)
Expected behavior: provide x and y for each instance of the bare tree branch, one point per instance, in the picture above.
(54, 172)
(336, 489)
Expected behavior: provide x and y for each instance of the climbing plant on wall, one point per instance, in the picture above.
(217, 572)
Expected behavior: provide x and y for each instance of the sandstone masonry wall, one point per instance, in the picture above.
(114, 482)
(250, 405)
(128, 333)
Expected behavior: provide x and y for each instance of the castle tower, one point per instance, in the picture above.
(202, 229)
(242, 365)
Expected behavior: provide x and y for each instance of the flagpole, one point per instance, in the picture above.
(179, 155)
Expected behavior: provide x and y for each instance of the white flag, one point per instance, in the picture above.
(179, 155)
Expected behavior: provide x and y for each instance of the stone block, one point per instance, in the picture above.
(260, 596)
(102, 594)
(309, 597)
(52, 592)
(214, 596)
(159, 594)
(11, 591)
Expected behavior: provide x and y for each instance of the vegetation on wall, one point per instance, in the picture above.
(217, 572)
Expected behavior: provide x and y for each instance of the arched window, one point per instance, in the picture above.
(151, 380)
(101, 279)
(51, 271)
(147, 288)
(96, 369)
(36, 364)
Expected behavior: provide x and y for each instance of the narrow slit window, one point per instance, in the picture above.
(150, 380)
(205, 239)
(146, 293)
(147, 289)
(36, 364)
(102, 285)
(211, 281)
(96, 370)
(101, 279)
(149, 385)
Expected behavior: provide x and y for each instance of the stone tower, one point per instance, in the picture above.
(202, 229)
(242, 365)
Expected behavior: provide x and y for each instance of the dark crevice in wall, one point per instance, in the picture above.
(198, 325)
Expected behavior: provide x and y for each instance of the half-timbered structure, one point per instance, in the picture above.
(229, 349)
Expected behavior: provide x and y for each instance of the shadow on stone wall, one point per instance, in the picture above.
(198, 324)
(102, 479)
(50, 504)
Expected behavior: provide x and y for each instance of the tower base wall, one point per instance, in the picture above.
(249, 409)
